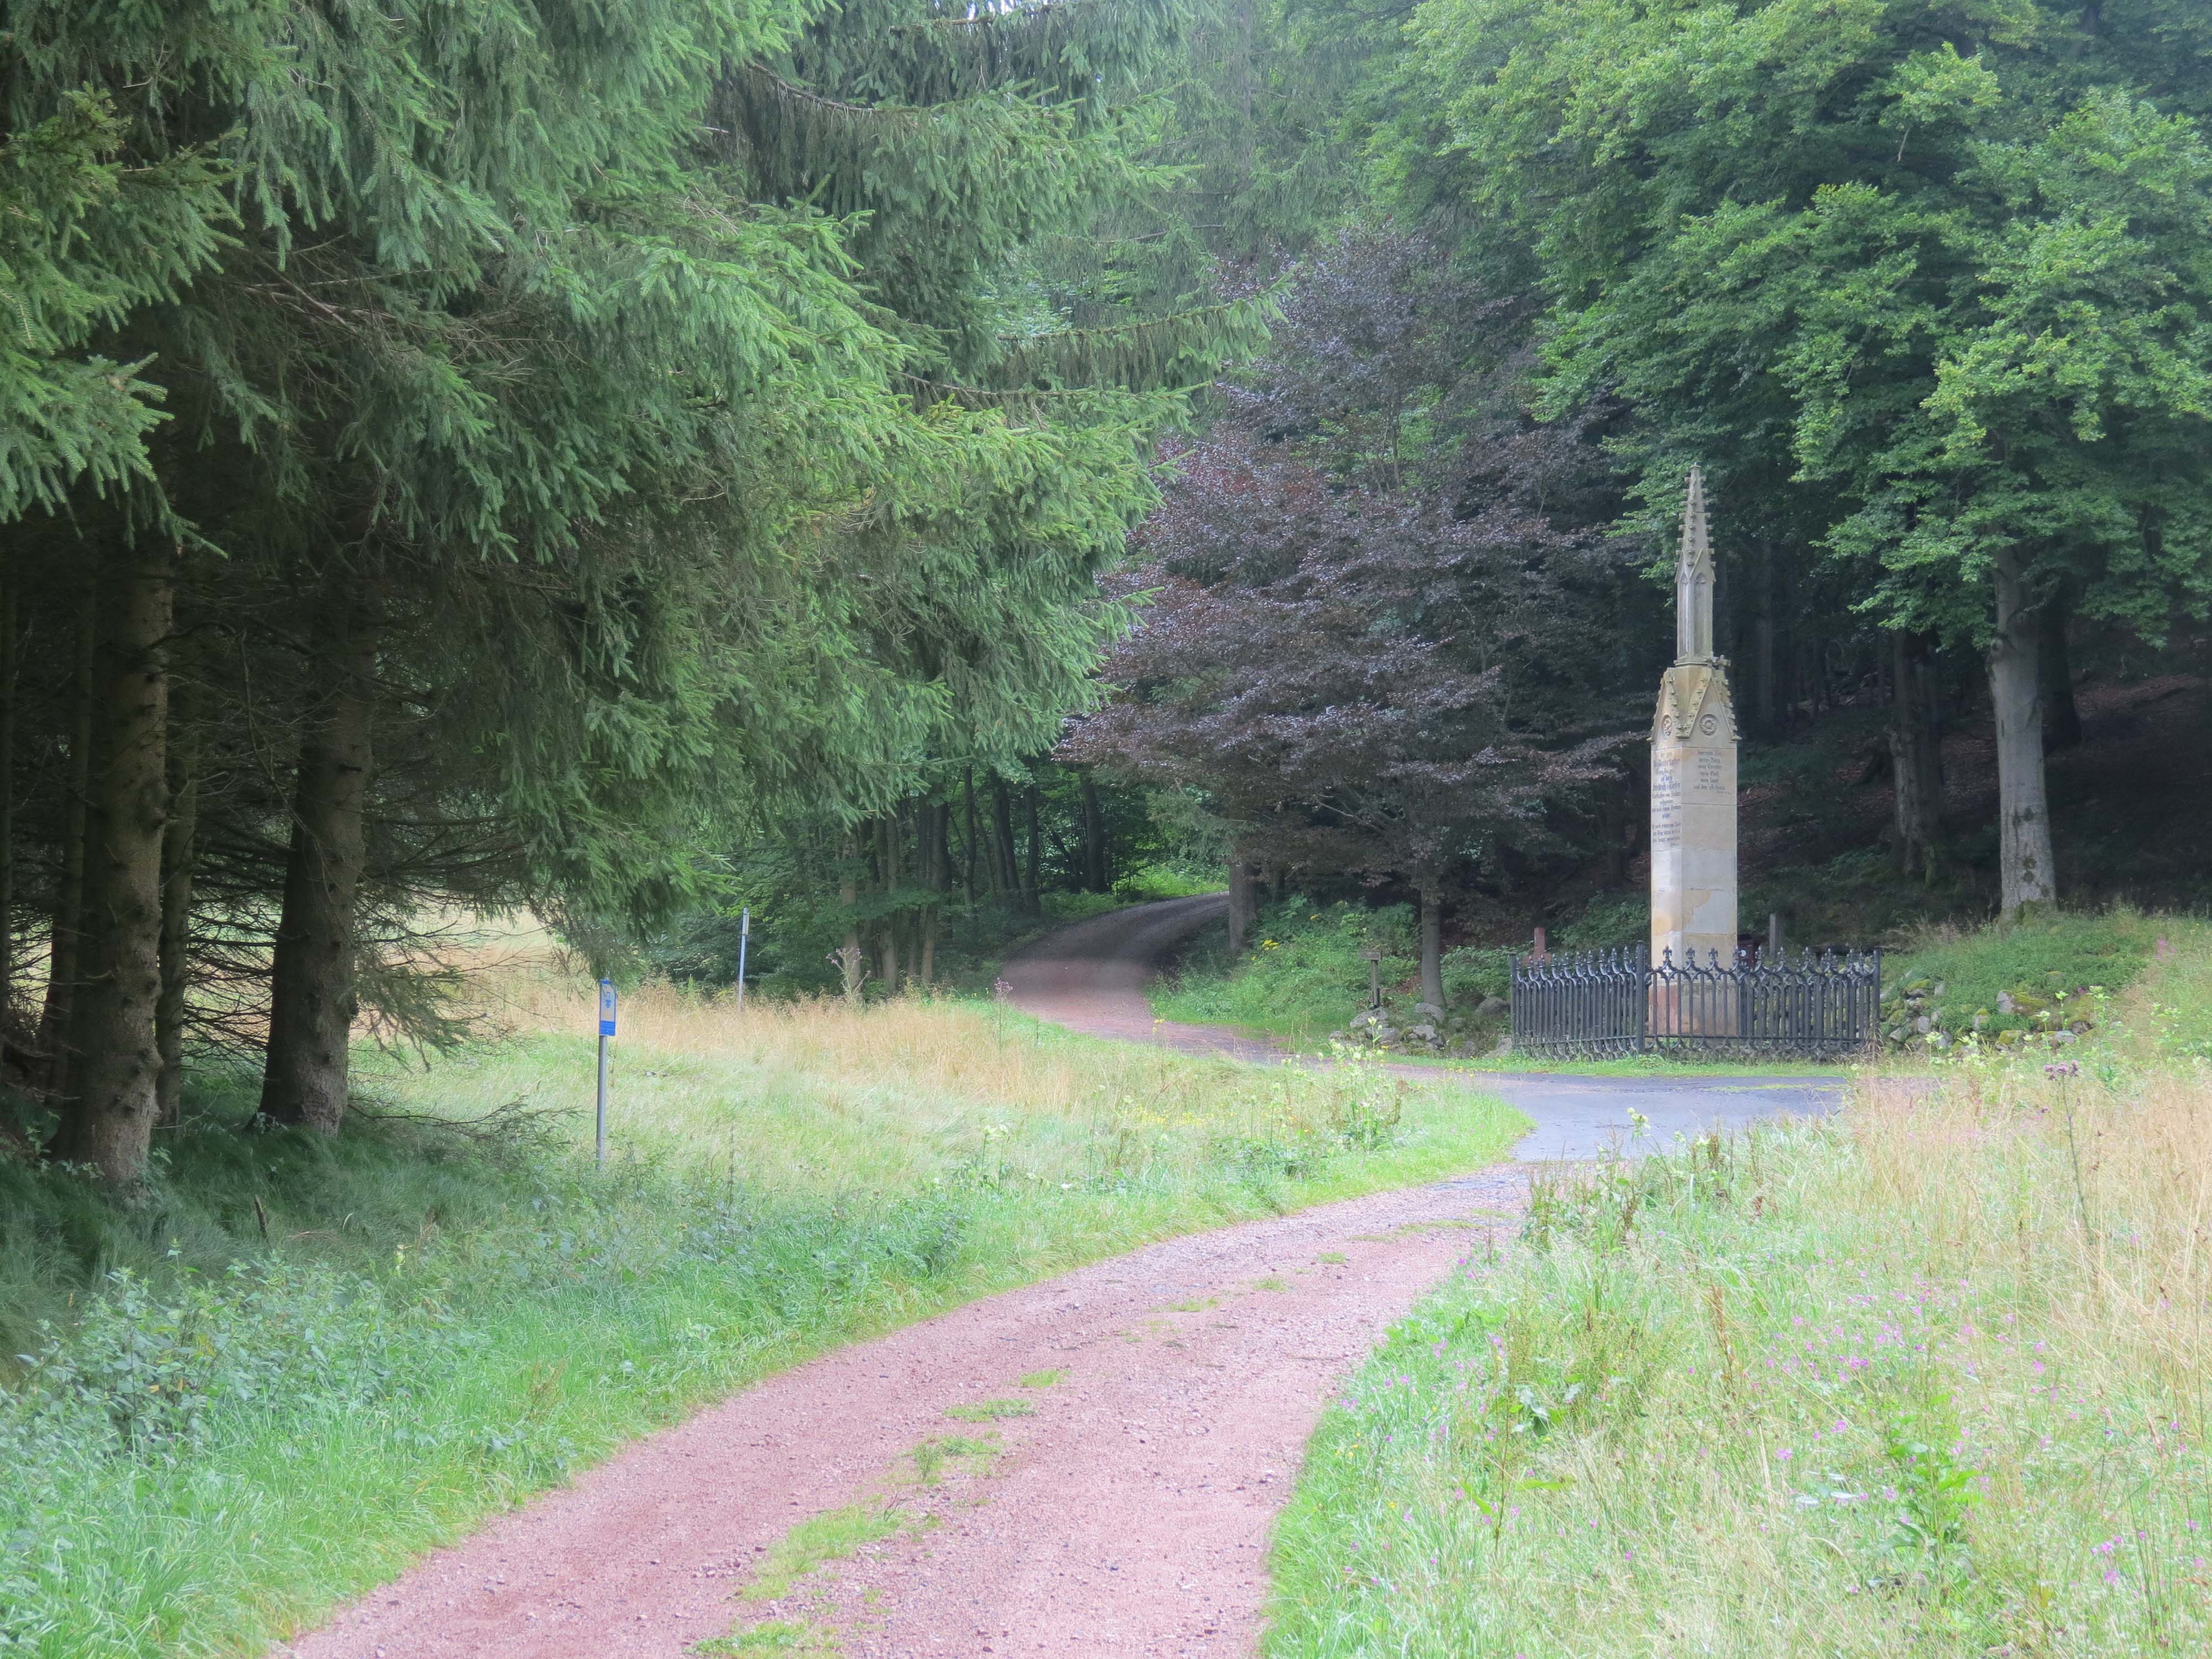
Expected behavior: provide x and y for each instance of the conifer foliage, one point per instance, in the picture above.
(487, 453)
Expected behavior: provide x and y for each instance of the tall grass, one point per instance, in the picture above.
(292, 1364)
(1929, 1379)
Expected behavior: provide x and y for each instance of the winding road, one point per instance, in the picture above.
(1142, 1419)
(1092, 976)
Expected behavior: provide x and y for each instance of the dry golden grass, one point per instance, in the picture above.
(1930, 1379)
(821, 1095)
(2095, 1191)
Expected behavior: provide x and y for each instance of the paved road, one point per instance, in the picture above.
(1091, 977)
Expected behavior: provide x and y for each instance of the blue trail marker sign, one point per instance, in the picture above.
(606, 1031)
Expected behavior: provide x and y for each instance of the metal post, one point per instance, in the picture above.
(602, 1136)
(744, 934)
(606, 1031)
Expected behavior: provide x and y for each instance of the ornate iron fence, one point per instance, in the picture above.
(1593, 1004)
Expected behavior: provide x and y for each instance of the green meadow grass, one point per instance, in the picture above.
(293, 1364)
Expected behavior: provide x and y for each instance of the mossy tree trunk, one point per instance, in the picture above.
(110, 1111)
(311, 1005)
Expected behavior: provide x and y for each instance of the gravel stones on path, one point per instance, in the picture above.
(1127, 1514)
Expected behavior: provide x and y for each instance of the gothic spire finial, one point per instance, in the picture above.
(1693, 578)
(1697, 536)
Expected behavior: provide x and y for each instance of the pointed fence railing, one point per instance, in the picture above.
(1593, 1003)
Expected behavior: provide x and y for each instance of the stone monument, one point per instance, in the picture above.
(1693, 741)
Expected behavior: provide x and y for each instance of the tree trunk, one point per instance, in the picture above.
(1034, 893)
(177, 857)
(1004, 877)
(65, 939)
(1096, 877)
(2025, 875)
(8, 680)
(850, 957)
(1432, 937)
(887, 837)
(936, 819)
(887, 958)
(312, 1006)
(1916, 754)
(2062, 716)
(1241, 908)
(108, 1120)
(975, 839)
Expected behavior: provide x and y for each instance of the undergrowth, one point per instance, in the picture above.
(1304, 976)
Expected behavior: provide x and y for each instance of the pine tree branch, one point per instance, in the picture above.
(1052, 9)
(780, 88)
(1184, 345)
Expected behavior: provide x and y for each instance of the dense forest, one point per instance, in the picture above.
(873, 463)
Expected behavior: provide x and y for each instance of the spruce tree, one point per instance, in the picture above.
(571, 485)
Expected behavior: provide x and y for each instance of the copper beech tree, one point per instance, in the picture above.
(1363, 639)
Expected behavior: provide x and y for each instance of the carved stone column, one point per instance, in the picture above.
(1693, 772)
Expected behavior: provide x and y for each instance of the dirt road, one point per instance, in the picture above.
(1126, 1511)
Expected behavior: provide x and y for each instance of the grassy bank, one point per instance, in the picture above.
(1307, 974)
(1928, 1379)
(294, 1364)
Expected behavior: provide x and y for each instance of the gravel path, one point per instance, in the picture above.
(1126, 1511)
(1128, 1515)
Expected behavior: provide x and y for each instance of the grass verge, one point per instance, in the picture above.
(292, 1364)
(1927, 1379)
